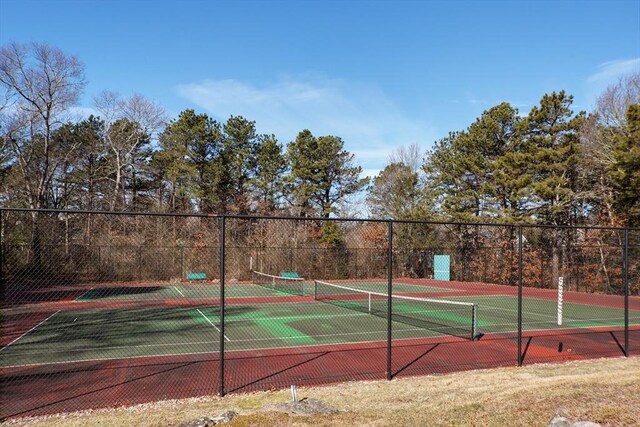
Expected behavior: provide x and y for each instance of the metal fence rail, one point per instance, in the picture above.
(102, 309)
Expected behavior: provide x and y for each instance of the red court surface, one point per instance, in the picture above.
(127, 382)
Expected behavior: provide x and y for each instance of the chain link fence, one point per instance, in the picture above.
(102, 309)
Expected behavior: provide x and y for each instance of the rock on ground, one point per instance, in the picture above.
(560, 421)
(208, 422)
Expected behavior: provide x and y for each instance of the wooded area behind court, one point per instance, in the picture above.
(550, 166)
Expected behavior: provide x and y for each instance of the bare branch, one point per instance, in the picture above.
(612, 105)
(407, 155)
(45, 80)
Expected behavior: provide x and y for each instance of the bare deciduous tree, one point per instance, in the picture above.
(44, 83)
(129, 123)
(612, 105)
(407, 155)
(598, 135)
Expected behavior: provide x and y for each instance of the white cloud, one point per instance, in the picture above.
(362, 115)
(370, 173)
(374, 154)
(607, 73)
(474, 101)
(612, 70)
(471, 101)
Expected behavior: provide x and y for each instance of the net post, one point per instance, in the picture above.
(222, 283)
(520, 295)
(389, 293)
(369, 308)
(625, 279)
(474, 322)
(560, 297)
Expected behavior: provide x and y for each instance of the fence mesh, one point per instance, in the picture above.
(104, 309)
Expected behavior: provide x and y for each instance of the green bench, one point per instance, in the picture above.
(196, 276)
(290, 274)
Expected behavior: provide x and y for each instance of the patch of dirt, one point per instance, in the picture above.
(304, 407)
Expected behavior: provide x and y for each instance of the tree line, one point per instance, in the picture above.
(551, 165)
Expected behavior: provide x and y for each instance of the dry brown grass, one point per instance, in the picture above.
(606, 391)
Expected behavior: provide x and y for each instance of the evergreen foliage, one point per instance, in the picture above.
(549, 166)
(625, 170)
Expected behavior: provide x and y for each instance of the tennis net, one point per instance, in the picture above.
(290, 285)
(456, 318)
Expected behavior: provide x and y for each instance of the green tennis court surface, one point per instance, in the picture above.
(200, 291)
(97, 334)
(145, 293)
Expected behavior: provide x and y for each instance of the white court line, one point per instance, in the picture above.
(312, 318)
(117, 347)
(309, 347)
(83, 294)
(212, 324)
(30, 330)
(592, 321)
(163, 345)
(484, 308)
(186, 344)
(268, 339)
(100, 359)
(381, 332)
(549, 316)
(104, 359)
(177, 290)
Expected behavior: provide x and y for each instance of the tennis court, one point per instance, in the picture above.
(104, 309)
(279, 316)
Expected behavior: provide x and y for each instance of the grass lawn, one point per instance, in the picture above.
(606, 391)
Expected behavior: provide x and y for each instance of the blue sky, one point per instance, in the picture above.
(379, 74)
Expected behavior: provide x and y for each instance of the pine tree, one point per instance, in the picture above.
(323, 174)
(551, 141)
(267, 182)
(188, 148)
(234, 167)
(468, 171)
(625, 171)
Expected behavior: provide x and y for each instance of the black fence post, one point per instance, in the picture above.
(2, 288)
(355, 255)
(221, 339)
(520, 295)
(389, 290)
(183, 275)
(625, 278)
(139, 253)
(290, 259)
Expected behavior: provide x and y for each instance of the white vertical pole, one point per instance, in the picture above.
(369, 302)
(560, 288)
